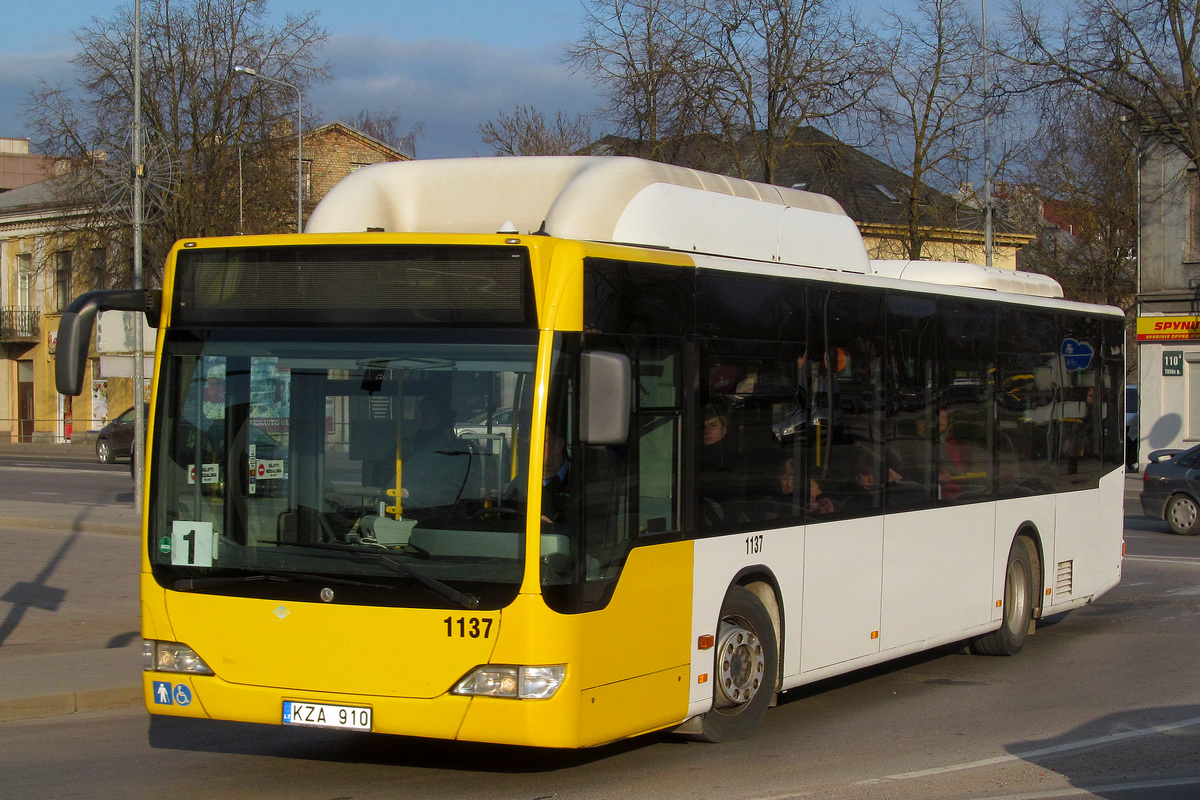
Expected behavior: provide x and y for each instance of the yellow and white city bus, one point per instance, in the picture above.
(556, 451)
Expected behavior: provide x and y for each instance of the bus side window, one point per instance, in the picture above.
(848, 399)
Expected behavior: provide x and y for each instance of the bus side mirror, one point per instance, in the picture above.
(75, 329)
(605, 381)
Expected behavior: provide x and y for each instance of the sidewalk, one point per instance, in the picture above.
(81, 674)
(69, 644)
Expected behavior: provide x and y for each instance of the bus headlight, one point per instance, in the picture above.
(172, 657)
(524, 683)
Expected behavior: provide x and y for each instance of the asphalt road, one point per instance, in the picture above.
(1103, 702)
(54, 479)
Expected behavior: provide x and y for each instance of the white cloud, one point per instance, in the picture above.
(450, 87)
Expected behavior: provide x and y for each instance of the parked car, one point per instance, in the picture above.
(477, 425)
(1171, 489)
(115, 440)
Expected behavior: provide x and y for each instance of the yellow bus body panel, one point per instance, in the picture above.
(627, 664)
(627, 668)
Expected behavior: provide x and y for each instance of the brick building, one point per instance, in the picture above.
(19, 167)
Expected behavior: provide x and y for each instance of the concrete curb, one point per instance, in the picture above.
(58, 524)
(65, 703)
(48, 684)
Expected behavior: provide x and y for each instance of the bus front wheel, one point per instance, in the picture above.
(747, 664)
(1010, 637)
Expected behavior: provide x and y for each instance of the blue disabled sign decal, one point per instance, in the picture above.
(1077, 356)
(172, 694)
(182, 695)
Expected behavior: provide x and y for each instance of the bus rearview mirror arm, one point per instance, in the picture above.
(75, 329)
(605, 381)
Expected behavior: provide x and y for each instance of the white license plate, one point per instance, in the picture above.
(321, 715)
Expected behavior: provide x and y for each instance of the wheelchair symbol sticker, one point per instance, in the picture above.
(182, 695)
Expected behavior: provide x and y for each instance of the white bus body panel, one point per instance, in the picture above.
(919, 579)
(843, 584)
(939, 569)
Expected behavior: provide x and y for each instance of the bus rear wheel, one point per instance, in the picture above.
(1010, 637)
(747, 665)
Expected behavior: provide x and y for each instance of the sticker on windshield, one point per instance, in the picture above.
(209, 473)
(191, 544)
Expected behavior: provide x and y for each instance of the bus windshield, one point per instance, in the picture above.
(379, 467)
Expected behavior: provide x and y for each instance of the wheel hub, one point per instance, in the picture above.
(741, 665)
(1183, 514)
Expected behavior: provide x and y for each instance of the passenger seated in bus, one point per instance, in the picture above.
(866, 492)
(959, 465)
(719, 478)
(781, 501)
(819, 503)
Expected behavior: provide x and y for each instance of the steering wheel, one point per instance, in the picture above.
(495, 511)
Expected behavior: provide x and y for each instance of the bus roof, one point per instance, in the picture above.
(597, 198)
(974, 276)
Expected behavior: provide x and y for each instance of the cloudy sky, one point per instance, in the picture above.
(449, 66)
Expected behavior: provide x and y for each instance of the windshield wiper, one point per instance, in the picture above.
(442, 590)
(194, 584)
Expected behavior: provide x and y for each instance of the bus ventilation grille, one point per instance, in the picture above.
(1064, 582)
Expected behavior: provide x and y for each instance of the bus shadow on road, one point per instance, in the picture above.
(1146, 524)
(277, 741)
(1132, 746)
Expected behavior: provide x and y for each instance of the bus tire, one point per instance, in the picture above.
(1009, 638)
(745, 669)
(1183, 515)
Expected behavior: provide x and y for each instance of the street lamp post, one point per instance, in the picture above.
(253, 73)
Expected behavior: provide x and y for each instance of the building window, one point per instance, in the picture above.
(99, 265)
(1192, 432)
(1193, 184)
(62, 278)
(306, 178)
(25, 280)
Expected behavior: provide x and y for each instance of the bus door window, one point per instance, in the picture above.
(910, 404)
(849, 467)
(1027, 342)
(1081, 426)
(1112, 396)
(966, 434)
(602, 499)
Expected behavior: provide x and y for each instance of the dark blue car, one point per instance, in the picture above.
(1171, 489)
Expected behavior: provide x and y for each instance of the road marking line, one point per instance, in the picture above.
(67, 470)
(1165, 559)
(1090, 791)
(1030, 754)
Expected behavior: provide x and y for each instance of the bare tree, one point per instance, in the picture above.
(1139, 55)
(1084, 185)
(385, 126)
(212, 136)
(928, 108)
(659, 87)
(526, 132)
(781, 66)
